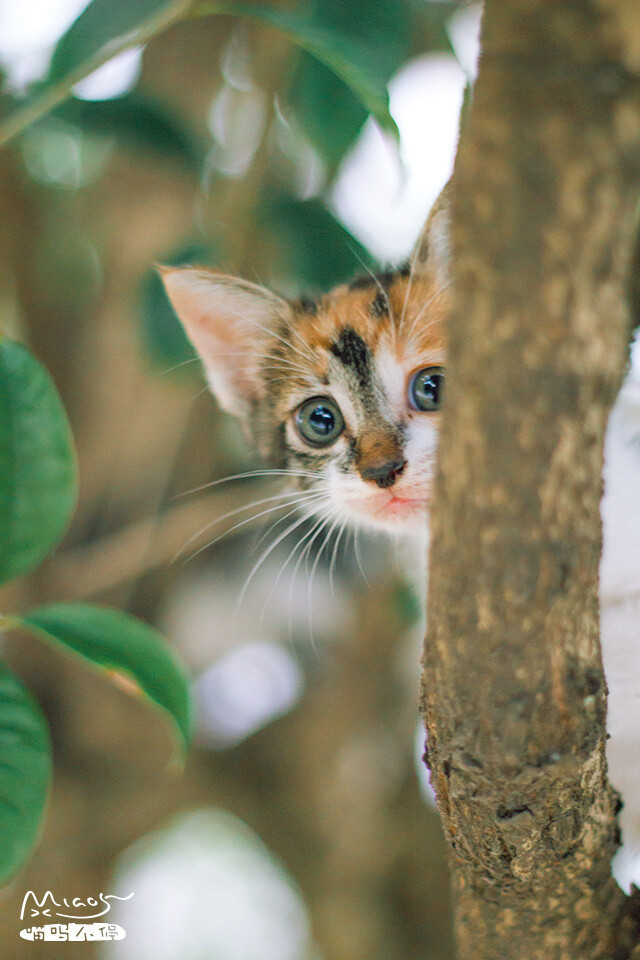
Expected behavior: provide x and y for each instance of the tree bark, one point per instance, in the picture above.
(545, 192)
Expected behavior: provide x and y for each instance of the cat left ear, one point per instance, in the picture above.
(229, 321)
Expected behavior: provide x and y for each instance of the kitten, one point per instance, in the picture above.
(344, 394)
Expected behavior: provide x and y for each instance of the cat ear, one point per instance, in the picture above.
(433, 249)
(228, 321)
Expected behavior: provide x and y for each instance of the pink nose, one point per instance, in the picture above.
(384, 474)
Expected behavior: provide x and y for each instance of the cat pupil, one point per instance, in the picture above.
(319, 421)
(322, 420)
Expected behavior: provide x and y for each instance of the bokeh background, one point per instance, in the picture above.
(301, 827)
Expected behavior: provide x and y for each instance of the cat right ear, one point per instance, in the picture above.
(229, 322)
(433, 248)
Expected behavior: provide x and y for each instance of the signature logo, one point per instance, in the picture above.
(74, 931)
(79, 910)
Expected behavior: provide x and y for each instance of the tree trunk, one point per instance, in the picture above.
(545, 191)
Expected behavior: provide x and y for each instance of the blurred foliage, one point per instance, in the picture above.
(37, 462)
(136, 122)
(25, 755)
(231, 166)
(312, 246)
(100, 26)
(330, 115)
(38, 488)
(239, 902)
(124, 647)
(105, 29)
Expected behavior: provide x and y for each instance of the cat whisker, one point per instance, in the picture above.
(300, 339)
(256, 516)
(246, 506)
(272, 527)
(306, 355)
(267, 356)
(200, 393)
(303, 553)
(375, 280)
(277, 579)
(335, 554)
(272, 546)
(356, 550)
(426, 306)
(317, 561)
(412, 270)
(247, 475)
(176, 366)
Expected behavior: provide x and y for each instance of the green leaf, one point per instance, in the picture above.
(104, 29)
(37, 462)
(101, 23)
(330, 115)
(137, 122)
(314, 248)
(113, 641)
(107, 27)
(434, 16)
(351, 57)
(329, 112)
(25, 773)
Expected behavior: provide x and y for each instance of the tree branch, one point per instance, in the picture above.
(545, 190)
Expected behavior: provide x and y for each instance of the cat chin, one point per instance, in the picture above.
(403, 516)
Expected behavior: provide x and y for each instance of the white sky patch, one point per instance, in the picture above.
(206, 886)
(464, 33)
(113, 78)
(29, 30)
(244, 690)
(369, 196)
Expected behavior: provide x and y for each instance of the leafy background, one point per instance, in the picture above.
(224, 152)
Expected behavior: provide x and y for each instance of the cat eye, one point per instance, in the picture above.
(319, 421)
(426, 389)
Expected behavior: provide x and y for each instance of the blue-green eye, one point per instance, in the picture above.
(319, 421)
(426, 389)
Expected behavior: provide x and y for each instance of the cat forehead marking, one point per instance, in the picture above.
(390, 308)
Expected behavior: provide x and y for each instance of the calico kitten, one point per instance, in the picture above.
(343, 394)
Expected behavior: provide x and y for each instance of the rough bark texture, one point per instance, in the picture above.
(545, 191)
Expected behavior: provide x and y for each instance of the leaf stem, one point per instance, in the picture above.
(49, 98)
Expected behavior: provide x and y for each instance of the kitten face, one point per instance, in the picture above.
(344, 393)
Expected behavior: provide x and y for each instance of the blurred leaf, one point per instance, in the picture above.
(349, 54)
(25, 773)
(104, 29)
(37, 462)
(434, 16)
(330, 114)
(137, 122)
(107, 27)
(114, 641)
(407, 604)
(104, 25)
(162, 333)
(313, 246)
